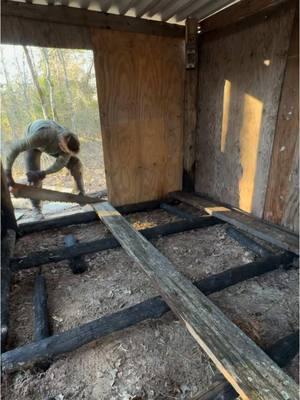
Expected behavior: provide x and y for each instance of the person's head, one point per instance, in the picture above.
(69, 143)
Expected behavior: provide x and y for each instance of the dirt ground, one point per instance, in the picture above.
(157, 359)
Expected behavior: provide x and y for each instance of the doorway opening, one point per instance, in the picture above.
(57, 84)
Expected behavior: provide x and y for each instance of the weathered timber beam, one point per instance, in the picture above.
(282, 352)
(77, 263)
(7, 249)
(176, 211)
(85, 18)
(82, 217)
(248, 223)
(249, 370)
(247, 242)
(44, 257)
(155, 307)
(8, 219)
(41, 327)
(238, 12)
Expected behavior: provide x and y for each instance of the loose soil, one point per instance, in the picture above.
(157, 359)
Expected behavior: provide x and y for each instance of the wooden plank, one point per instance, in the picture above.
(84, 18)
(7, 250)
(239, 11)
(245, 222)
(30, 32)
(282, 352)
(140, 89)
(238, 108)
(249, 370)
(282, 200)
(47, 256)
(190, 104)
(154, 307)
(178, 212)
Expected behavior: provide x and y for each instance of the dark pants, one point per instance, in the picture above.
(33, 163)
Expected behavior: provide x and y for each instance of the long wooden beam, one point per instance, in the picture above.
(238, 12)
(245, 222)
(82, 217)
(282, 352)
(70, 16)
(248, 369)
(47, 256)
(155, 307)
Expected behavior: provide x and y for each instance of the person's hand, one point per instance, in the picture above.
(9, 178)
(35, 176)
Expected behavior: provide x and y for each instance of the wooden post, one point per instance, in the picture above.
(41, 329)
(7, 249)
(76, 263)
(190, 103)
(8, 219)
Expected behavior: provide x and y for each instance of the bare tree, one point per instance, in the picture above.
(68, 88)
(36, 83)
(50, 84)
(24, 84)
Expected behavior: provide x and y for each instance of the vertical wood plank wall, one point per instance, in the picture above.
(241, 73)
(282, 201)
(140, 80)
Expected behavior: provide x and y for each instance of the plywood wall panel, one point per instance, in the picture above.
(240, 79)
(140, 82)
(282, 200)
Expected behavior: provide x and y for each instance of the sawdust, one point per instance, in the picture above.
(156, 359)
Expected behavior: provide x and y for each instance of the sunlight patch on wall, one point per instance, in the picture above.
(226, 109)
(249, 142)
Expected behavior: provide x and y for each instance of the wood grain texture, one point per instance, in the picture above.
(245, 222)
(30, 32)
(81, 18)
(190, 105)
(250, 371)
(238, 108)
(282, 200)
(140, 89)
(239, 11)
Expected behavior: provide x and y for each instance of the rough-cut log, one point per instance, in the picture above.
(82, 217)
(7, 249)
(44, 257)
(153, 308)
(282, 352)
(41, 328)
(8, 219)
(176, 211)
(247, 242)
(249, 370)
(77, 264)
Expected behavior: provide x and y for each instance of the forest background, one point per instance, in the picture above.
(57, 84)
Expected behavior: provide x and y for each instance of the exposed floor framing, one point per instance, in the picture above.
(188, 300)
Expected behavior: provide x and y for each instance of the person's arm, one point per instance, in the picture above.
(16, 148)
(60, 162)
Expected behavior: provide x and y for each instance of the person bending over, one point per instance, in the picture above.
(49, 137)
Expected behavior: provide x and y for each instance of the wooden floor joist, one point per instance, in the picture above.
(248, 369)
(44, 350)
(245, 222)
(47, 256)
(82, 217)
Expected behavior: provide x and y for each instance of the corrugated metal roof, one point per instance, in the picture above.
(173, 11)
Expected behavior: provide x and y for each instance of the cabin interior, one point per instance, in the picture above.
(199, 112)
